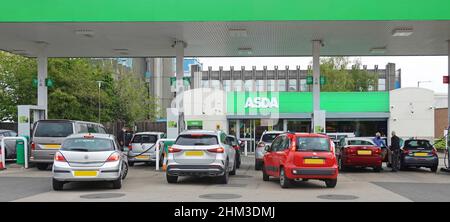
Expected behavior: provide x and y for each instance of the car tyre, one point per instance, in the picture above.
(331, 183)
(117, 184)
(434, 169)
(225, 177)
(125, 171)
(171, 179)
(42, 166)
(266, 176)
(285, 182)
(131, 163)
(57, 185)
(341, 166)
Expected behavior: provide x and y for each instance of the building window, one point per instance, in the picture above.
(248, 85)
(381, 84)
(292, 85)
(237, 85)
(260, 85)
(270, 85)
(303, 85)
(281, 85)
(227, 85)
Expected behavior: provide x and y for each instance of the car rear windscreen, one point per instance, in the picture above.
(196, 140)
(53, 129)
(269, 137)
(415, 144)
(145, 139)
(313, 144)
(87, 145)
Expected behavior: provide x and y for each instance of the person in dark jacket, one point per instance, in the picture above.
(395, 151)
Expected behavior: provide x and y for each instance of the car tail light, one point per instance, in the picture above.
(378, 151)
(130, 147)
(349, 150)
(406, 152)
(113, 157)
(217, 150)
(174, 150)
(33, 146)
(89, 136)
(59, 157)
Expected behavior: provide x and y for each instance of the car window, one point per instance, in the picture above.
(199, 140)
(276, 144)
(360, 143)
(82, 128)
(87, 145)
(312, 144)
(285, 144)
(54, 129)
(145, 138)
(269, 137)
(414, 144)
(101, 129)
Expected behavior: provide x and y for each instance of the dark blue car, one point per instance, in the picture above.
(419, 153)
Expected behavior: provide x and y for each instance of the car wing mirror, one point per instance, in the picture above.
(267, 149)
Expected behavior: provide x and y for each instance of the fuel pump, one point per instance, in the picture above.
(447, 151)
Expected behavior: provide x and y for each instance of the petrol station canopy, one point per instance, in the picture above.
(224, 28)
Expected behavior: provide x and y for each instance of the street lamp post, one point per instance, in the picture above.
(99, 87)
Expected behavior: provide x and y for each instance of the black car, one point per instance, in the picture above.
(233, 141)
(418, 153)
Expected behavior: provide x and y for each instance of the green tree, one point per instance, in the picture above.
(340, 79)
(75, 94)
(16, 76)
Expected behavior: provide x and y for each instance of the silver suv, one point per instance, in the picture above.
(201, 153)
(265, 141)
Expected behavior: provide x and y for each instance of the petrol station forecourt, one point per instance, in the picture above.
(268, 28)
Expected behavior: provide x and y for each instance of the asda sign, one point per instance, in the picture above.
(269, 103)
(261, 102)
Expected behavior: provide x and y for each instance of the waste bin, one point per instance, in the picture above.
(20, 151)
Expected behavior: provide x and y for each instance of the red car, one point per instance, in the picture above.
(359, 152)
(295, 156)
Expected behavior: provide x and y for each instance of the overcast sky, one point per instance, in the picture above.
(414, 69)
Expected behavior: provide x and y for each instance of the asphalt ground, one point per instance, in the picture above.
(144, 184)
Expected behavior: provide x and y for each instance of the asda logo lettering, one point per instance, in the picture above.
(261, 102)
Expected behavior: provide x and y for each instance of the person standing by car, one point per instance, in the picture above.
(378, 140)
(395, 150)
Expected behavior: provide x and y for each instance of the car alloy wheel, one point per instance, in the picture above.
(284, 181)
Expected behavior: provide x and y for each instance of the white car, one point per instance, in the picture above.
(266, 140)
(142, 148)
(89, 157)
(201, 153)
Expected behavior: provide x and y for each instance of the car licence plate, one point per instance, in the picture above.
(314, 161)
(420, 154)
(142, 157)
(52, 146)
(364, 152)
(193, 153)
(85, 173)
